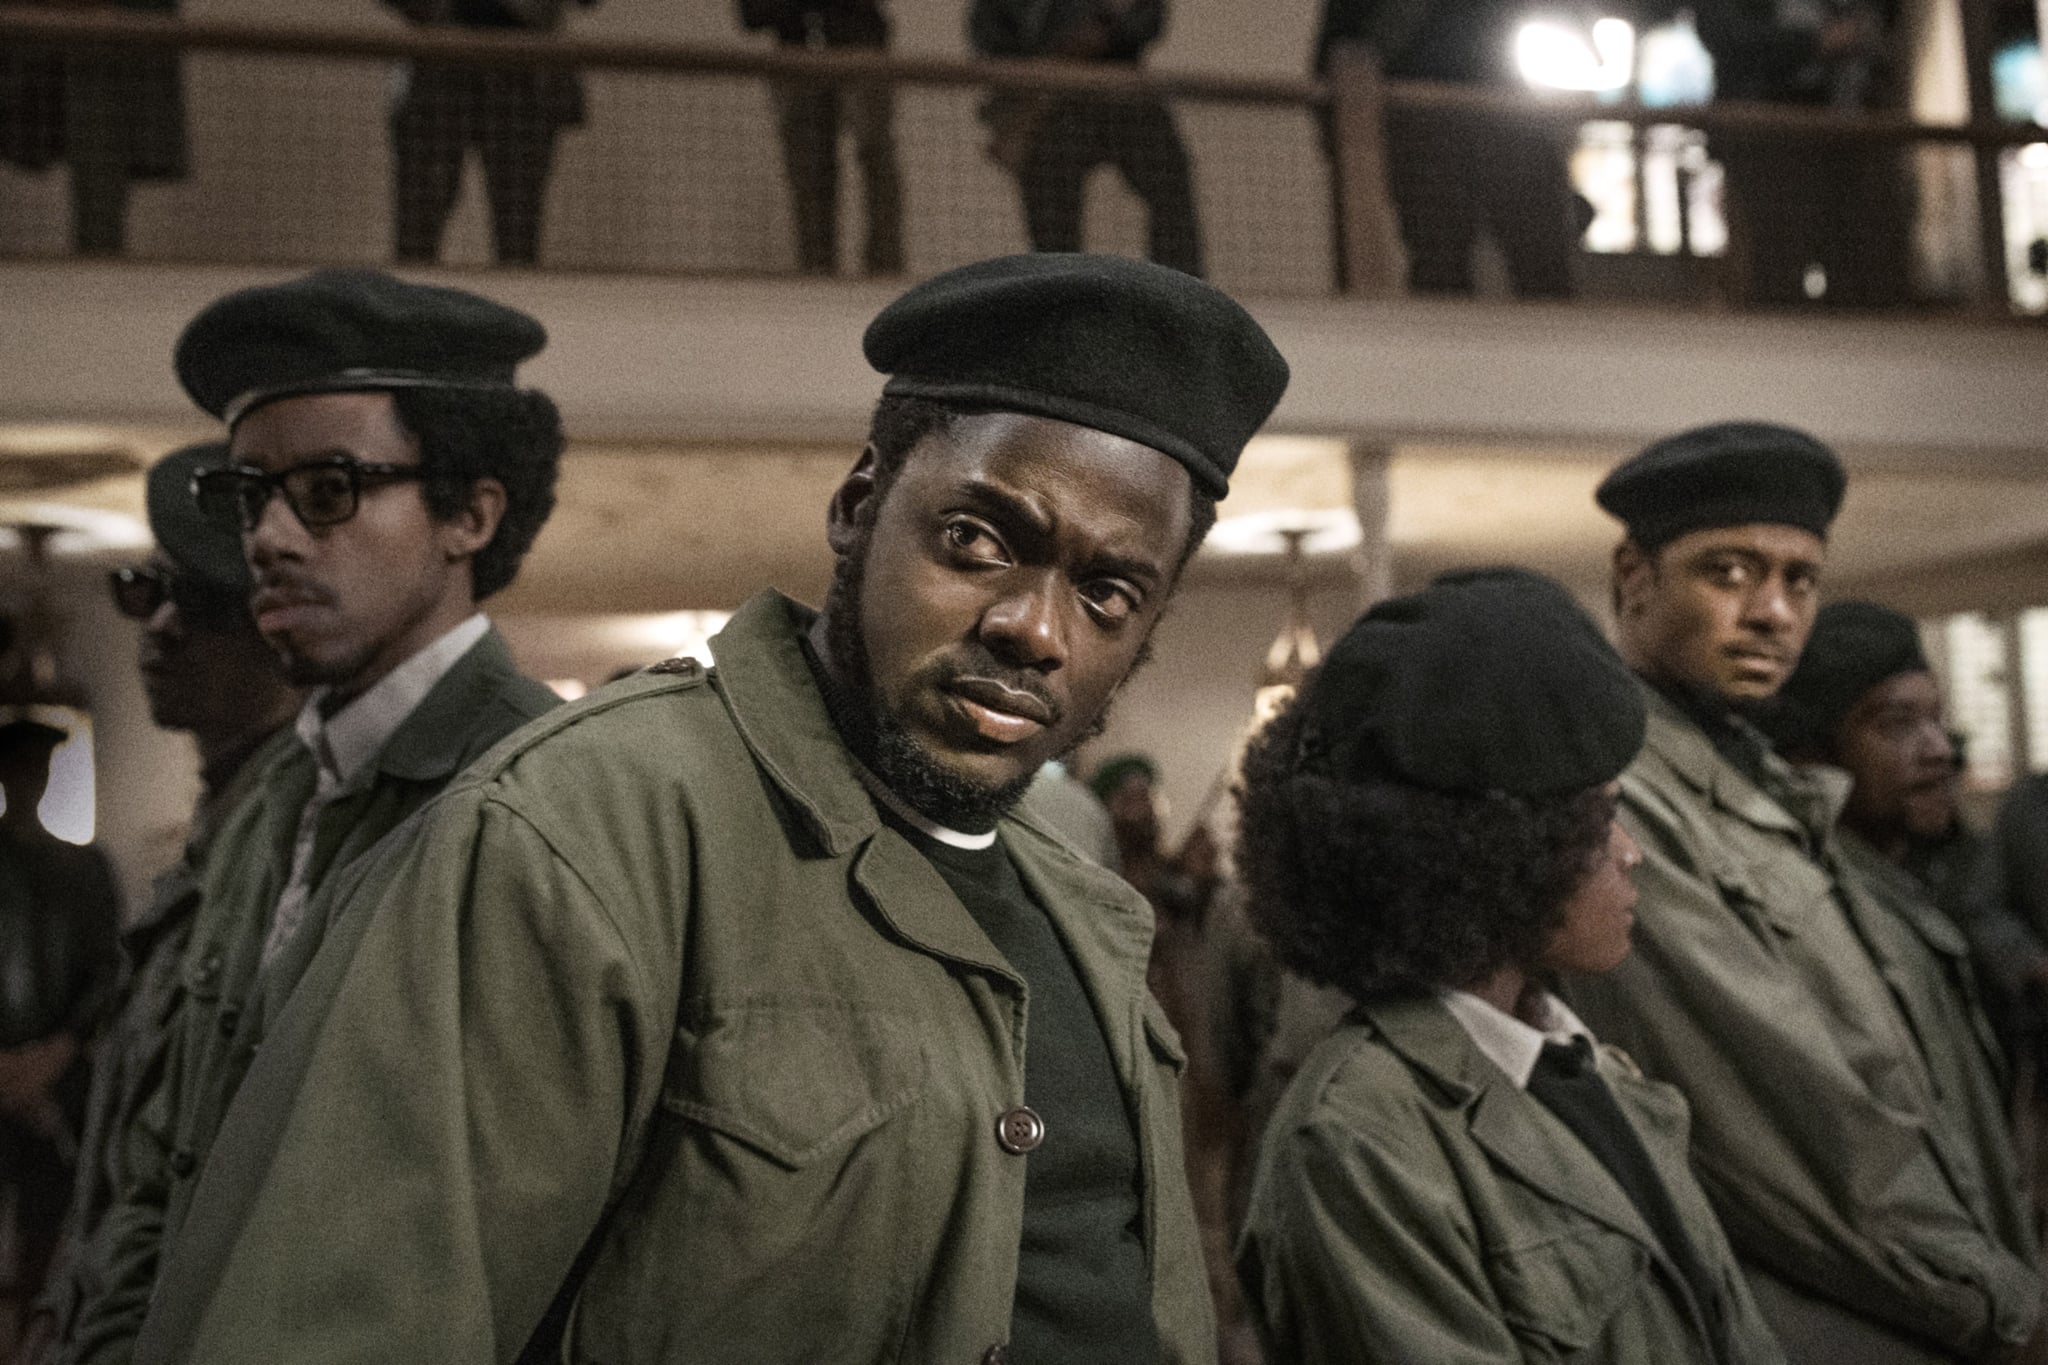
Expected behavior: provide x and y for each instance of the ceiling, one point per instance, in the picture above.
(659, 528)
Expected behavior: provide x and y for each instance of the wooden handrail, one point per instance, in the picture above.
(30, 23)
(96, 27)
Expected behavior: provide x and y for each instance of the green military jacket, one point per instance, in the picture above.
(1412, 1204)
(1790, 1013)
(222, 1007)
(129, 1057)
(650, 1043)
(1927, 962)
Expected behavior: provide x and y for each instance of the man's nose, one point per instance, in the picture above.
(1025, 627)
(1770, 606)
(276, 532)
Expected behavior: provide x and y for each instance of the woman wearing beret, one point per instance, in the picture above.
(1459, 1175)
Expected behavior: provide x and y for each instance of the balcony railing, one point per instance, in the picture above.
(292, 145)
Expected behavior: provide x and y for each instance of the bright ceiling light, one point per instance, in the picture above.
(1552, 55)
(1323, 530)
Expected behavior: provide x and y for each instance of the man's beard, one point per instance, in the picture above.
(879, 740)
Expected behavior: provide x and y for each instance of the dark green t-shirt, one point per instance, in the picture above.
(1084, 1290)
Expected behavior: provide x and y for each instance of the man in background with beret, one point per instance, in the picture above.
(1762, 984)
(744, 1015)
(205, 671)
(385, 474)
(1865, 702)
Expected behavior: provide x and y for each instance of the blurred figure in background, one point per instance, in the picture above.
(1051, 142)
(59, 916)
(810, 117)
(206, 672)
(1450, 176)
(1864, 700)
(509, 114)
(1178, 884)
(1823, 222)
(1069, 806)
(112, 116)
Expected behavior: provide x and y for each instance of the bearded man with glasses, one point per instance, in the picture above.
(384, 474)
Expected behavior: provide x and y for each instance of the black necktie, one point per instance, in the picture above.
(1566, 1083)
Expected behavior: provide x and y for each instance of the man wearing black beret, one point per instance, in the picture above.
(384, 474)
(1457, 1173)
(1865, 701)
(741, 1014)
(206, 672)
(1764, 985)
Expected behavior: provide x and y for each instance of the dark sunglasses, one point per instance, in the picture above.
(319, 492)
(140, 591)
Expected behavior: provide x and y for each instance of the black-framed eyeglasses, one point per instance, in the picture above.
(140, 590)
(323, 492)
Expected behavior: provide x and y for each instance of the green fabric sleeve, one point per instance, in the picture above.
(467, 1083)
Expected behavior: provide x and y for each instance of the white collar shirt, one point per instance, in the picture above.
(1507, 1041)
(345, 746)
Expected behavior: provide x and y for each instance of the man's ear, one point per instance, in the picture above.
(850, 502)
(472, 527)
(1635, 571)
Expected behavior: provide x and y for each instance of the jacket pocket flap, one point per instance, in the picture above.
(795, 1077)
(1565, 1289)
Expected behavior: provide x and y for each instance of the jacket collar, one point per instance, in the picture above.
(1513, 1128)
(1802, 805)
(438, 739)
(774, 700)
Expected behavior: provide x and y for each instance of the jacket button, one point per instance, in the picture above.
(1018, 1131)
(996, 1355)
(183, 1163)
(229, 1017)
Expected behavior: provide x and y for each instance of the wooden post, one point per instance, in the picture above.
(1367, 244)
(1372, 500)
(1996, 297)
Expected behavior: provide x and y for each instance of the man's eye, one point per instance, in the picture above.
(1109, 600)
(1728, 572)
(970, 537)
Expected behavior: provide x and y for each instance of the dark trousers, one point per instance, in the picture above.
(1450, 177)
(1139, 138)
(810, 119)
(1843, 208)
(40, 1177)
(446, 112)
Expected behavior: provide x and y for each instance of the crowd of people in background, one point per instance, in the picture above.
(1549, 999)
(1807, 220)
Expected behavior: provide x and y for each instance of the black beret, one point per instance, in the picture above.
(1728, 474)
(1854, 647)
(197, 546)
(338, 331)
(29, 736)
(1127, 347)
(1495, 683)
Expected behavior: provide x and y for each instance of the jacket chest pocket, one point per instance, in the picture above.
(795, 1078)
(1559, 1294)
(788, 1177)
